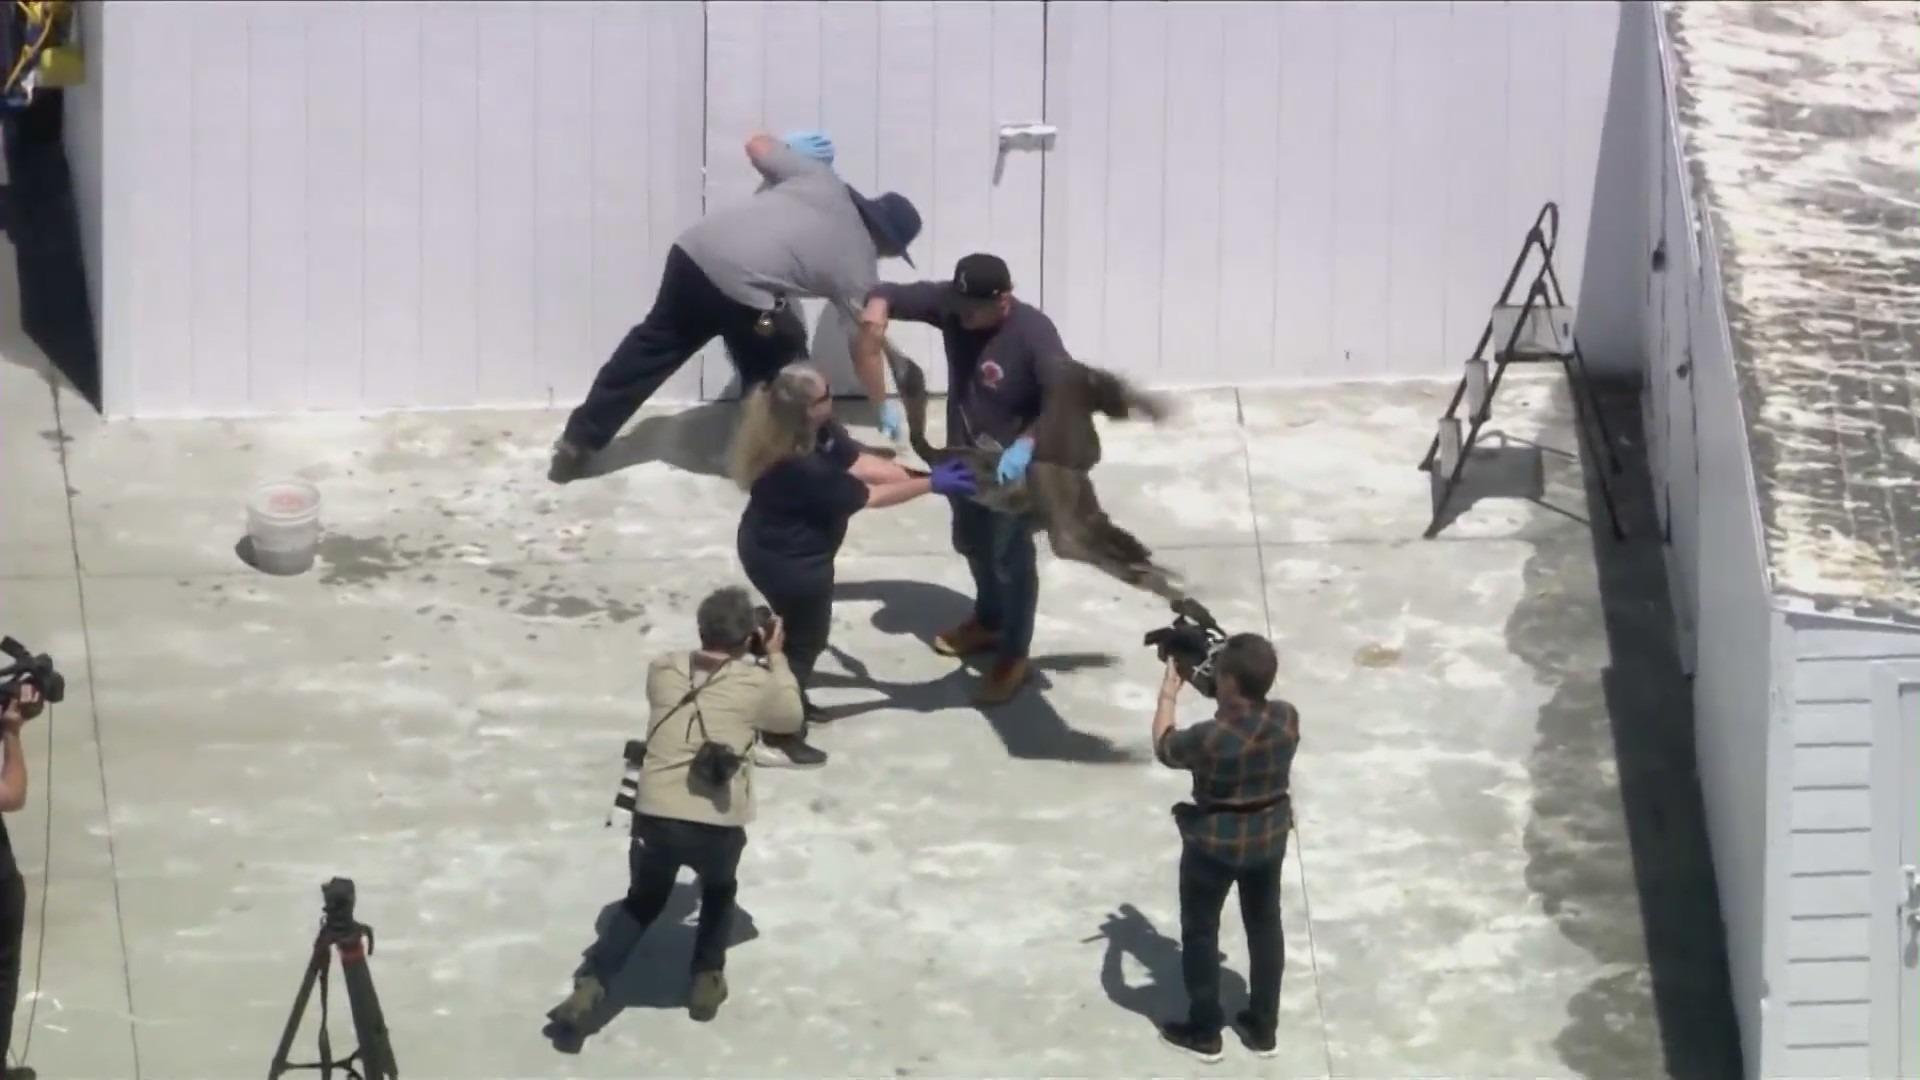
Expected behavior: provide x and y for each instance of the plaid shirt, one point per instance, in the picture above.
(1240, 758)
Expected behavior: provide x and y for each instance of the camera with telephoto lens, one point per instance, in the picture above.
(628, 794)
(1192, 641)
(28, 669)
(762, 629)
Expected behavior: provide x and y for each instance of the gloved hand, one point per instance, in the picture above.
(813, 144)
(1014, 461)
(893, 420)
(953, 478)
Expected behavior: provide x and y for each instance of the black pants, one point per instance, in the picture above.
(1204, 882)
(688, 312)
(660, 847)
(13, 926)
(803, 598)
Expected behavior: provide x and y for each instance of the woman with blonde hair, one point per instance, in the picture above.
(805, 478)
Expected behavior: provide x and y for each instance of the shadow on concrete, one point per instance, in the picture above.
(40, 217)
(1028, 726)
(657, 976)
(1504, 466)
(1634, 718)
(696, 439)
(1128, 932)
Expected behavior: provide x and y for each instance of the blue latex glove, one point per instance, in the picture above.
(893, 420)
(1014, 461)
(953, 478)
(813, 144)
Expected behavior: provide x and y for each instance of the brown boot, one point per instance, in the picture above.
(586, 997)
(965, 640)
(709, 991)
(1002, 683)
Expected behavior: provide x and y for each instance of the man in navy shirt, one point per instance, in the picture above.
(1002, 354)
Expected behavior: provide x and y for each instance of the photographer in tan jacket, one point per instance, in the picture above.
(709, 708)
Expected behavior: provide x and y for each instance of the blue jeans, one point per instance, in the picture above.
(1006, 573)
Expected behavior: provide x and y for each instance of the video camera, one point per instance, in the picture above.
(28, 669)
(762, 629)
(1191, 641)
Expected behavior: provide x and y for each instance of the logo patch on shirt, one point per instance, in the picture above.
(992, 374)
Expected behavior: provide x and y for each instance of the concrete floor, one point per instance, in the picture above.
(437, 712)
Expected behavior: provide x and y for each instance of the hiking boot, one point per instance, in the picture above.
(569, 463)
(1002, 683)
(573, 1012)
(965, 640)
(788, 752)
(1262, 1041)
(709, 990)
(1189, 1039)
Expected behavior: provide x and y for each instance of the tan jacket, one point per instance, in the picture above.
(736, 703)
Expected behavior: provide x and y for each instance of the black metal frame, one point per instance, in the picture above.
(1543, 292)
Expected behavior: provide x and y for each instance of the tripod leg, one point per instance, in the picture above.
(369, 1022)
(314, 969)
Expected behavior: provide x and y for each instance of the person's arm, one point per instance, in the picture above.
(776, 161)
(1049, 357)
(874, 470)
(880, 496)
(917, 301)
(13, 759)
(1176, 748)
(782, 710)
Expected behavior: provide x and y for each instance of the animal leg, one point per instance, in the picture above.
(1080, 531)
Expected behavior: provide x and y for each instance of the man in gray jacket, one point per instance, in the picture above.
(735, 275)
(685, 815)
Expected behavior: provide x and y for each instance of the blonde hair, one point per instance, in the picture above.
(773, 423)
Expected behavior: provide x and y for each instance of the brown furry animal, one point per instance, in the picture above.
(1057, 492)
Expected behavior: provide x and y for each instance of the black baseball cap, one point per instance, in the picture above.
(980, 277)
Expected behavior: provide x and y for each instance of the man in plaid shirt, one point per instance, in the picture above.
(1234, 832)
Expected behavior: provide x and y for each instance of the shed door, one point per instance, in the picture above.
(914, 94)
(1896, 839)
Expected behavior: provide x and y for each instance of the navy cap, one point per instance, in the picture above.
(891, 218)
(981, 276)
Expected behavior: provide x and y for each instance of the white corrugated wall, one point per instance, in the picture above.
(339, 205)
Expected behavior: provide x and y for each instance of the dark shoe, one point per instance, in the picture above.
(1262, 1042)
(1191, 1040)
(569, 463)
(709, 990)
(19, 1072)
(966, 639)
(816, 715)
(573, 1012)
(788, 752)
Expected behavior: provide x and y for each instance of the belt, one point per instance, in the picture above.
(1250, 806)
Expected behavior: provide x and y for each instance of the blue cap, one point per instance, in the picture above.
(891, 218)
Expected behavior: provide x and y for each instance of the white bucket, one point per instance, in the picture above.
(283, 524)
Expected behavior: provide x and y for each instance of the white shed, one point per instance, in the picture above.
(392, 205)
(1782, 408)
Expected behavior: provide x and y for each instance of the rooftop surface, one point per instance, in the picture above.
(1500, 868)
(436, 711)
(1802, 122)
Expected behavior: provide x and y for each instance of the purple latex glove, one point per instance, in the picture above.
(953, 478)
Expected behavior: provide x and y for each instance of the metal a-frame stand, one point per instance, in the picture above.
(1538, 329)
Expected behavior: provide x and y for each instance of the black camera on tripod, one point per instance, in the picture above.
(28, 669)
(1192, 641)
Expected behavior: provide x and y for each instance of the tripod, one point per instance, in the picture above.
(354, 942)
